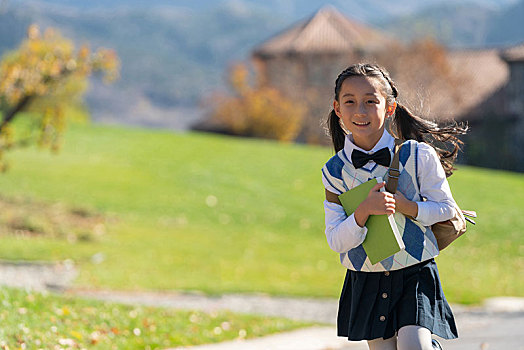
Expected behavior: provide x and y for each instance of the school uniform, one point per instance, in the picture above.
(404, 289)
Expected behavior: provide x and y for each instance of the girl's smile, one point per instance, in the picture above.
(362, 110)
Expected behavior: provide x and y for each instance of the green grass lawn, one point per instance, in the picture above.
(220, 214)
(44, 321)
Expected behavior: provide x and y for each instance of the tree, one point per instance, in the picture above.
(45, 75)
(427, 82)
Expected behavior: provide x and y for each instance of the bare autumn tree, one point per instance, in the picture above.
(256, 111)
(45, 76)
(427, 83)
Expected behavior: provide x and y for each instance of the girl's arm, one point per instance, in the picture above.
(434, 188)
(342, 231)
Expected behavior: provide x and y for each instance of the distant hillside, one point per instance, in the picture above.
(455, 25)
(174, 55)
(13, 26)
(290, 9)
(462, 25)
(507, 28)
(170, 57)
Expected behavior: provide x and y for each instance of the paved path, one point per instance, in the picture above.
(37, 275)
(485, 330)
(314, 338)
(308, 309)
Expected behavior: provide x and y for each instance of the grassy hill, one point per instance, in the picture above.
(218, 214)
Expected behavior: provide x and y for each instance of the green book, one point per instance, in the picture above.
(383, 238)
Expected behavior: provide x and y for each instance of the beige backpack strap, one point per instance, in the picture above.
(393, 171)
(332, 197)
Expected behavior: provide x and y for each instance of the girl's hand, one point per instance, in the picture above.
(376, 203)
(405, 206)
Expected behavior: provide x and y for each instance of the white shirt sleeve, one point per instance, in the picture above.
(342, 231)
(434, 188)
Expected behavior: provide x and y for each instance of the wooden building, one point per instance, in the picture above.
(495, 108)
(303, 60)
(486, 89)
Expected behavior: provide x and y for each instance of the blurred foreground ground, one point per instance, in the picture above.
(497, 324)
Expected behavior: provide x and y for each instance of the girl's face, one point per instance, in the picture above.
(362, 107)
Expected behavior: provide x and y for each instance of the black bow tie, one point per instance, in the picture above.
(382, 157)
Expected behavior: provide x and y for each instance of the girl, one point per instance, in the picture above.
(398, 302)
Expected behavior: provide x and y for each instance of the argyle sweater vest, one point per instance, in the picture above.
(419, 240)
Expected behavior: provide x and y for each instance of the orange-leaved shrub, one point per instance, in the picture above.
(256, 111)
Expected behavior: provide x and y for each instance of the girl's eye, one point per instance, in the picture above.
(372, 101)
(349, 101)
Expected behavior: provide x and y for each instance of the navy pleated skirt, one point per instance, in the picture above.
(377, 304)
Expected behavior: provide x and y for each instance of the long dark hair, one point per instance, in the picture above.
(405, 125)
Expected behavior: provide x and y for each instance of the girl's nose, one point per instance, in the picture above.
(361, 109)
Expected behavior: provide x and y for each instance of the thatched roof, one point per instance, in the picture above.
(327, 31)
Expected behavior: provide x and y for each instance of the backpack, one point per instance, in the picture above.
(445, 231)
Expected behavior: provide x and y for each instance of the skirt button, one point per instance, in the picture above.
(382, 318)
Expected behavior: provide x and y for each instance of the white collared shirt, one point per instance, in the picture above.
(343, 232)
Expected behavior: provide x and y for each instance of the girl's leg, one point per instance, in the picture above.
(414, 338)
(383, 344)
